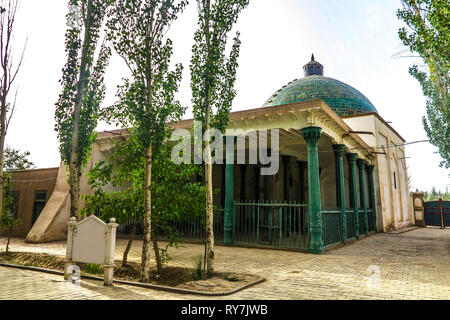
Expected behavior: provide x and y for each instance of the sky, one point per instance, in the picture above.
(355, 40)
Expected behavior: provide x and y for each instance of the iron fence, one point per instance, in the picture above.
(371, 219)
(283, 224)
(362, 228)
(331, 226)
(350, 223)
(188, 229)
(280, 225)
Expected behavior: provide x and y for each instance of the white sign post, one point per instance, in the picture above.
(91, 241)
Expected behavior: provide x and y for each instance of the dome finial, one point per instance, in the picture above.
(313, 68)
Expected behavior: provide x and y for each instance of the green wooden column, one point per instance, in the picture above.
(229, 211)
(362, 192)
(351, 159)
(372, 200)
(339, 150)
(312, 136)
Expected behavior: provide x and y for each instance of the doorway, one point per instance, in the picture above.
(40, 198)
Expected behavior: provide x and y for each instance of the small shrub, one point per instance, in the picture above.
(93, 268)
(197, 273)
(232, 278)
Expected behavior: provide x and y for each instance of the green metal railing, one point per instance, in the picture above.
(331, 226)
(361, 222)
(370, 219)
(194, 229)
(189, 229)
(350, 223)
(281, 225)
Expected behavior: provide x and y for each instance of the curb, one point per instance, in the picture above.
(139, 284)
(403, 231)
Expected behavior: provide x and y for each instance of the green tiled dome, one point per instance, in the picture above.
(342, 98)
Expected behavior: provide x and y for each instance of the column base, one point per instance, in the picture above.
(108, 275)
(228, 238)
(67, 272)
(316, 250)
(316, 245)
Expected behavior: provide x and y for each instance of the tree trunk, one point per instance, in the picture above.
(4, 93)
(2, 144)
(1, 174)
(7, 244)
(74, 185)
(157, 256)
(209, 245)
(7, 78)
(130, 242)
(146, 247)
(209, 203)
(74, 170)
(9, 238)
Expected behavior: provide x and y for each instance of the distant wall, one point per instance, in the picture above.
(26, 183)
(52, 223)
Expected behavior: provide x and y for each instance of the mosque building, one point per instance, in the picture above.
(342, 174)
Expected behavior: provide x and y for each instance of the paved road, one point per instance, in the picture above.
(412, 265)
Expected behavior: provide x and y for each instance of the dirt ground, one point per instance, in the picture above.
(177, 277)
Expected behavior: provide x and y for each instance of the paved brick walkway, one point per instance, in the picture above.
(413, 265)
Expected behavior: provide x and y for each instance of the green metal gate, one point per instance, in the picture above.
(371, 219)
(282, 225)
(331, 226)
(192, 229)
(437, 213)
(362, 228)
(350, 223)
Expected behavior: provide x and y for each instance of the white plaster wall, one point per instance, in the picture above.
(395, 209)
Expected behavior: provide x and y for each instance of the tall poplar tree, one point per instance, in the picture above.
(9, 68)
(213, 75)
(146, 103)
(82, 88)
(428, 34)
